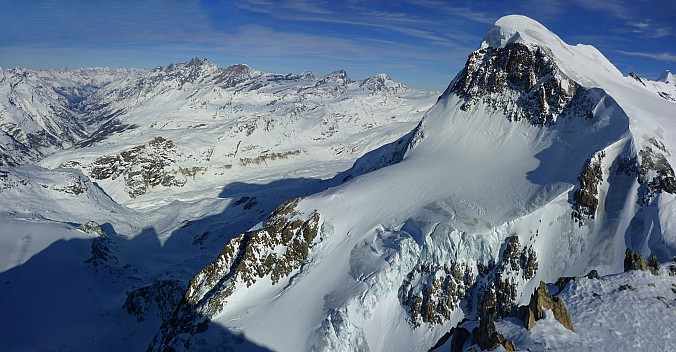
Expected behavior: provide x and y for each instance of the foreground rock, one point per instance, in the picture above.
(542, 299)
(635, 261)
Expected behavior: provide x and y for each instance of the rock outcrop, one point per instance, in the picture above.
(522, 81)
(485, 335)
(164, 295)
(459, 336)
(542, 299)
(143, 167)
(586, 196)
(635, 261)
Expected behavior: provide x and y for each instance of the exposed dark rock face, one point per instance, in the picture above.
(652, 169)
(442, 289)
(142, 167)
(585, 197)
(494, 290)
(487, 338)
(430, 293)
(635, 261)
(276, 252)
(636, 77)
(563, 281)
(593, 274)
(485, 335)
(102, 248)
(666, 96)
(515, 261)
(522, 81)
(92, 228)
(655, 172)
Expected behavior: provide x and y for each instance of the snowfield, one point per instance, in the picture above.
(242, 210)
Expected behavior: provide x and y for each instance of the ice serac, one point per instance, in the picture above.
(540, 160)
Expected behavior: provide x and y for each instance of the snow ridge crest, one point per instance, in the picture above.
(519, 29)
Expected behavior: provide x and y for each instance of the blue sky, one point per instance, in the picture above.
(422, 43)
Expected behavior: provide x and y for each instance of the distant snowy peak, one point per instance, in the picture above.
(336, 77)
(667, 77)
(198, 71)
(664, 86)
(381, 83)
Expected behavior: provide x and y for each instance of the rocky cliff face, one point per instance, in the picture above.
(522, 81)
(143, 167)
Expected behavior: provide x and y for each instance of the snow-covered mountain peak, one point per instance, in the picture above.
(590, 66)
(195, 61)
(339, 77)
(381, 83)
(667, 77)
(194, 64)
(240, 72)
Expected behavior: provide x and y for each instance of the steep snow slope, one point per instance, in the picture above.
(540, 160)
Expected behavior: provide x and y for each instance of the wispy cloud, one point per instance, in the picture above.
(365, 16)
(454, 12)
(614, 8)
(631, 18)
(543, 9)
(656, 56)
(646, 28)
